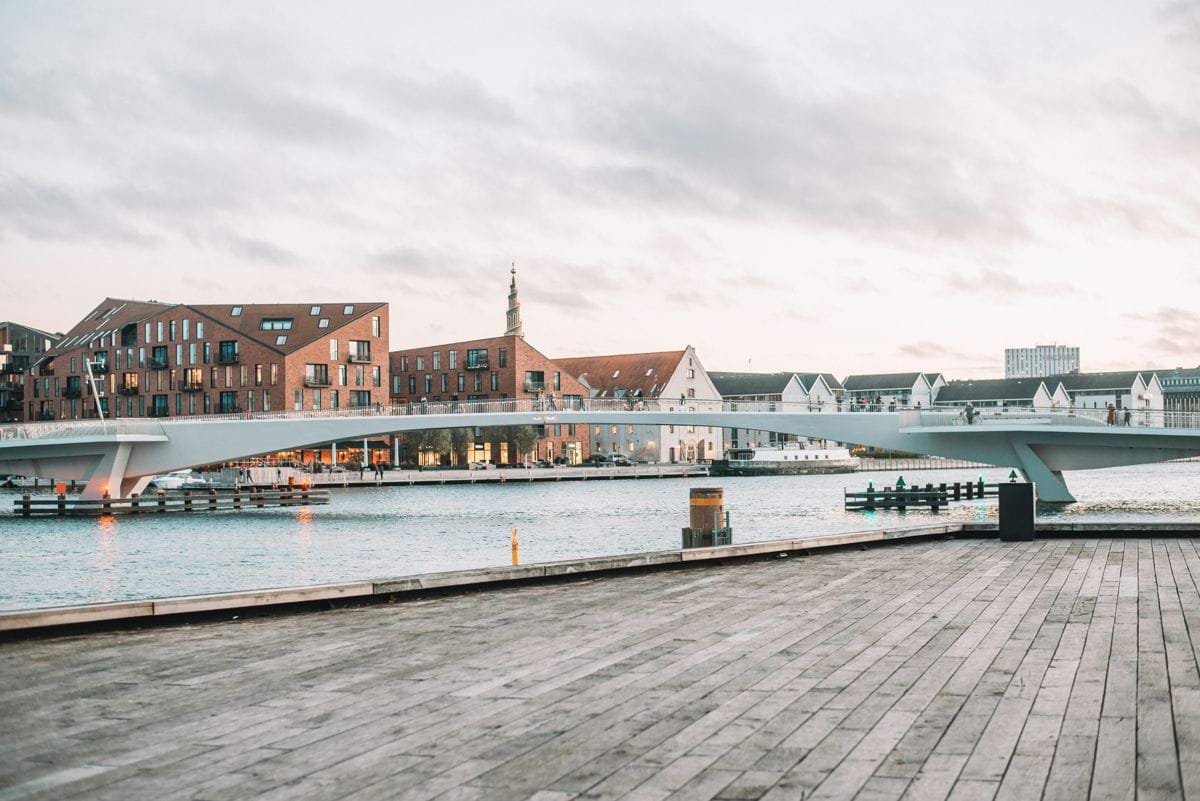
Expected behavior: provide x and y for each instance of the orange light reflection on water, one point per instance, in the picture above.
(107, 555)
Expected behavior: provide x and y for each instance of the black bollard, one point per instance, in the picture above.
(1017, 513)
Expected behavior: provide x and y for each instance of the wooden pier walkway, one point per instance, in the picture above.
(961, 669)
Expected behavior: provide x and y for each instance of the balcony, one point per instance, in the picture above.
(72, 392)
(316, 380)
(535, 386)
(123, 390)
(229, 410)
(157, 412)
(12, 405)
(9, 368)
(156, 364)
(227, 358)
(191, 386)
(10, 386)
(476, 364)
(100, 368)
(359, 358)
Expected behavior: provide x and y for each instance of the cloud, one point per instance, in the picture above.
(686, 117)
(1176, 331)
(1004, 285)
(935, 350)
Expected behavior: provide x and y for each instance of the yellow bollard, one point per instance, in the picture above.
(515, 548)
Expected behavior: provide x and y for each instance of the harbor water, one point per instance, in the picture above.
(394, 531)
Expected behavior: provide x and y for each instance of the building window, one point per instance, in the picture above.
(348, 309)
(691, 373)
(462, 382)
(428, 383)
(342, 375)
(281, 339)
(212, 377)
(412, 385)
(191, 353)
(266, 401)
(186, 330)
(178, 355)
(495, 381)
(437, 360)
(557, 380)
(323, 322)
(358, 375)
(333, 350)
(375, 327)
(477, 359)
(172, 329)
(158, 330)
(207, 352)
(227, 352)
(420, 363)
(360, 398)
(276, 324)
(478, 384)
(453, 360)
(236, 311)
(504, 357)
(314, 311)
(334, 399)
(199, 329)
(377, 376)
(445, 382)
(359, 350)
(395, 385)
(404, 364)
(316, 399)
(274, 374)
(258, 375)
(297, 399)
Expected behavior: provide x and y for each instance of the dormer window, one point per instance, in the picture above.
(315, 311)
(236, 311)
(276, 324)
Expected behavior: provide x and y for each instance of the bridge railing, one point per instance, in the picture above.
(78, 428)
(547, 405)
(1119, 418)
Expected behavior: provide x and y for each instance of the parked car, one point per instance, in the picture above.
(621, 460)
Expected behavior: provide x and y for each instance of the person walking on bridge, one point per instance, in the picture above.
(1112, 415)
(1128, 417)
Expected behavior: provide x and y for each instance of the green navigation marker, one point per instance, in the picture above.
(900, 483)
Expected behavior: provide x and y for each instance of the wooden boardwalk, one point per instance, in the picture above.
(964, 669)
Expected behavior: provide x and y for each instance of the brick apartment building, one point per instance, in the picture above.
(491, 369)
(155, 359)
(20, 346)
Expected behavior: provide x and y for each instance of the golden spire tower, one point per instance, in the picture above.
(514, 308)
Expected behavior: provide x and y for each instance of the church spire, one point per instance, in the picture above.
(514, 308)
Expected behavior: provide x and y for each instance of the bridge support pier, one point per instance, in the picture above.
(109, 475)
(1051, 487)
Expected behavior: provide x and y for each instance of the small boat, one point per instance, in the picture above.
(178, 480)
(789, 458)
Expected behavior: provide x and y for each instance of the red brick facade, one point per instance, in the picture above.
(491, 369)
(164, 360)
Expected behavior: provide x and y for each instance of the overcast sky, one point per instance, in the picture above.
(792, 185)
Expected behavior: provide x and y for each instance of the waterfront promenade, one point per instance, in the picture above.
(961, 669)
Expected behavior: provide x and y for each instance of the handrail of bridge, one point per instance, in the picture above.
(909, 416)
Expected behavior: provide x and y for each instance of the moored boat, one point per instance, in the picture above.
(785, 459)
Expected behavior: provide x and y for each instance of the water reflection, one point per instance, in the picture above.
(403, 530)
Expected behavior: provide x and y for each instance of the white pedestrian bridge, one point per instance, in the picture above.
(119, 456)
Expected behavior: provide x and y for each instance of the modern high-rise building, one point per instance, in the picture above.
(1040, 361)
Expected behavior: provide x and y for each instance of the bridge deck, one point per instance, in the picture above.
(962, 669)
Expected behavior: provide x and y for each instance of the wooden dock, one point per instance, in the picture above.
(212, 500)
(961, 668)
(931, 496)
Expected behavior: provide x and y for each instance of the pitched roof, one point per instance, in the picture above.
(737, 385)
(990, 389)
(1180, 379)
(808, 379)
(880, 381)
(110, 316)
(305, 329)
(1074, 382)
(625, 373)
